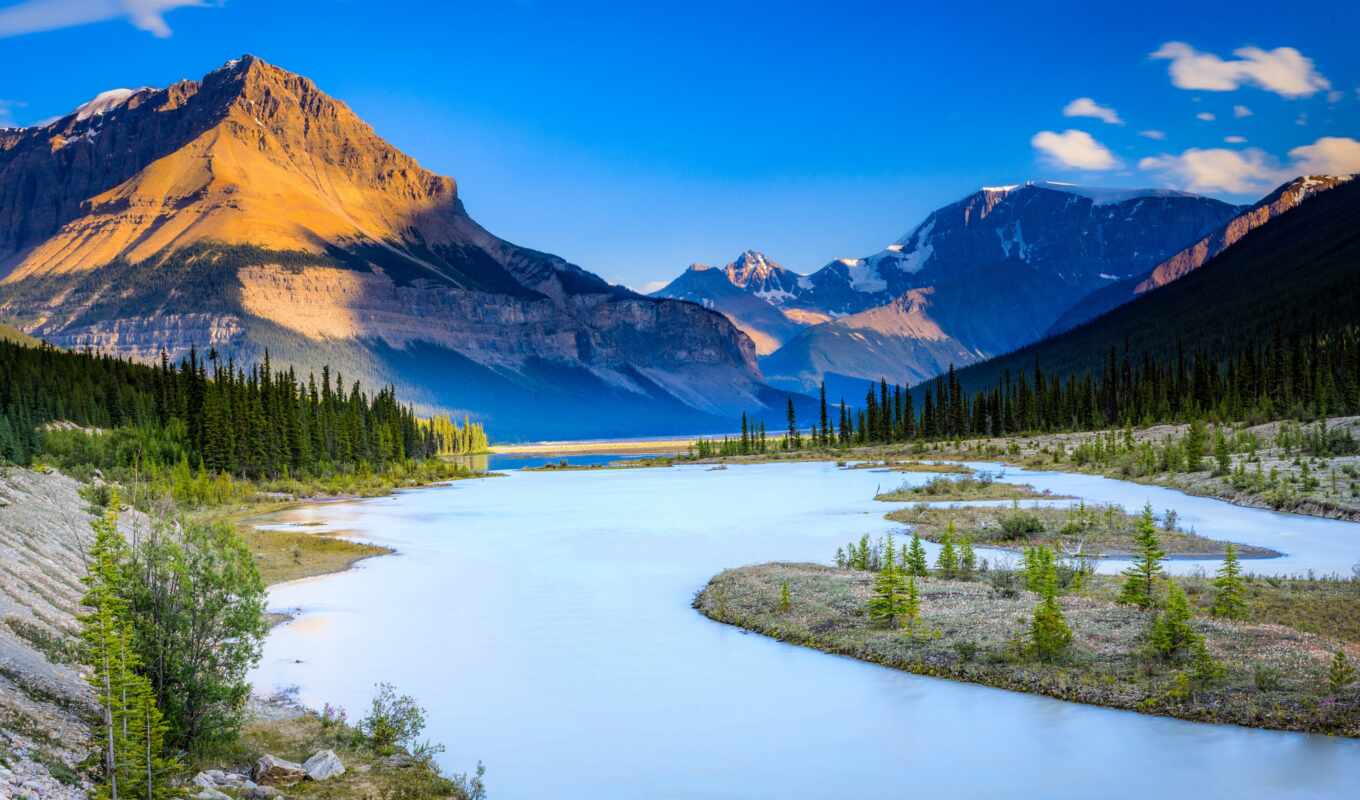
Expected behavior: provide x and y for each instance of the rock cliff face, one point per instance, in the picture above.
(1283, 199)
(249, 210)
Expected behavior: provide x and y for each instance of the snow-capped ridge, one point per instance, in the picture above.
(104, 102)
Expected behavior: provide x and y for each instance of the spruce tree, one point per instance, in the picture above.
(914, 560)
(947, 562)
(911, 606)
(1171, 632)
(1049, 633)
(887, 602)
(784, 601)
(967, 559)
(1140, 578)
(1230, 595)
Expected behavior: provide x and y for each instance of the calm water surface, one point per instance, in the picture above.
(544, 621)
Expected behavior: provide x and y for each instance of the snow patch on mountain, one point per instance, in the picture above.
(103, 103)
(921, 247)
(863, 275)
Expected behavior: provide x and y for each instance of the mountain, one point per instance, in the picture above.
(1001, 266)
(1295, 275)
(749, 291)
(250, 211)
(1283, 199)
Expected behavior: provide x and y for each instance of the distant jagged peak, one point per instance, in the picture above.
(1302, 188)
(752, 265)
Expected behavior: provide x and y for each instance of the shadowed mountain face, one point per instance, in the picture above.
(249, 210)
(979, 277)
(1283, 199)
(1295, 275)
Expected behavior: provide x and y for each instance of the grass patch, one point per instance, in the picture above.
(286, 556)
(969, 631)
(969, 487)
(1092, 530)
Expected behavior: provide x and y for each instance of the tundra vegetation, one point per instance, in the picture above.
(1238, 648)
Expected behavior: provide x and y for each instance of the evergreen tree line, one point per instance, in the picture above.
(1304, 377)
(256, 423)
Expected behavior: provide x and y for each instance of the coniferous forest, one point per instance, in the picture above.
(218, 417)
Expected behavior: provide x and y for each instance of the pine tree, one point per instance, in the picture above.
(886, 604)
(1171, 632)
(1230, 597)
(784, 600)
(914, 560)
(1222, 455)
(1140, 579)
(1049, 633)
(1205, 670)
(1341, 674)
(947, 562)
(967, 559)
(911, 607)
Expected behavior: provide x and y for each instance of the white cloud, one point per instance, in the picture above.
(1074, 149)
(1335, 96)
(1330, 155)
(7, 112)
(1153, 134)
(1241, 111)
(1205, 116)
(1217, 169)
(1235, 139)
(1086, 107)
(1253, 170)
(1284, 70)
(33, 16)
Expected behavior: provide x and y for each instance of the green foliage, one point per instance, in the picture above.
(393, 720)
(967, 559)
(1019, 525)
(130, 730)
(1170, 632)
(198, 605)
(1230, 591)
(911, 607)
(1140, 579)
(914, 557)
(204, 416)
(887, 604)
(785, 602)
(1341, 674)
(947, 562)
(1205, 670)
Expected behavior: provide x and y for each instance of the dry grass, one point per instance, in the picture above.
(943, 489)
(286, 556)
(1094, 530)
(970, 632)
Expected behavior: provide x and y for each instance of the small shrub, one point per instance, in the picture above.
(1021, 525)
(392, 720)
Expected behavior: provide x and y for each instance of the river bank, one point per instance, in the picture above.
(1276, 676)
(1277, 465)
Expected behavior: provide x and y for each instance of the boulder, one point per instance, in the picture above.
(262, 793)
(323, 765)
(274, 771)
(211, 794)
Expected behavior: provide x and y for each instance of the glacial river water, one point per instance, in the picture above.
(544, 621)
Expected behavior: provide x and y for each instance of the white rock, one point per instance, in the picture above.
(323, 765)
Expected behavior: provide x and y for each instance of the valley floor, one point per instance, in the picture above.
(974, 631)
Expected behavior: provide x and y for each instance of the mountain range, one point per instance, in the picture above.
(977, 278)
(1287, 282)
(249, 211)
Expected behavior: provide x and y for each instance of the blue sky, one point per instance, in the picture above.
(634, 140)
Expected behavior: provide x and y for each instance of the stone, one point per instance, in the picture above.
(271, 770)
(262, 793)
(323, 765)
(211, 794)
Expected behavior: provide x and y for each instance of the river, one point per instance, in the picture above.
(543, 619)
